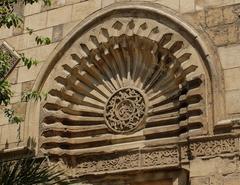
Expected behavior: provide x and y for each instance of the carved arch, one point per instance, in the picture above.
(127, 61)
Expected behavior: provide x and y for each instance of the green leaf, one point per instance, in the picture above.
(29, 62)
(5, 92)
(33, 95)
(12, 118)
(40, 40)
(29, 171)
(30, 31)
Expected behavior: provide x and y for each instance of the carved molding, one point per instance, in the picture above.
(155, 158)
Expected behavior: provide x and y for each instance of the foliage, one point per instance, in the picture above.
(8, 19)
(29, 171)
(34, 95)
(26, 171)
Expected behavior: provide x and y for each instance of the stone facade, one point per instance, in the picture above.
(140, 91)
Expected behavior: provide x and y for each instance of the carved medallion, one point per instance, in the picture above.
(125, 110)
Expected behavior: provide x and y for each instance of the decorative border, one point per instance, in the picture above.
(155, 158)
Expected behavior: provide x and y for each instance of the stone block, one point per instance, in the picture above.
(231, 77)
(216, 179)
(69, 27)
(9, 134)
(57, 33)
(74, 1)
(229, 56)
(224, 34)
(83, 9)
(16, 89)
(20, 108)
(232, 180)
(25, 41)
(173, 4)
(187, 6)
(202, 4)
(32, 9)
(233, 101)
(197, 166)
(40, 53)
(107, 2)
(27, 86)
(25, 74)
(196, 18)
(59, 16)
(200, 181)
(214, 17)
(3, 118)
(219, 35)
(5, 32)
(229, 14)
(12, 77)
(36, 21)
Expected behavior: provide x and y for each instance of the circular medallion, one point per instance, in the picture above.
(125, 110)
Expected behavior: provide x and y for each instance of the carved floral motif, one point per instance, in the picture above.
(166, 157)
(214, 147)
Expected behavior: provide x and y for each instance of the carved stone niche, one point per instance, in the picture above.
(128, 83)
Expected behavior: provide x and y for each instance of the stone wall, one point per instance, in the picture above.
(219, 19)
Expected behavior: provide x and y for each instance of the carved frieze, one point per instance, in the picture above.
(165, 157)
(213, 147)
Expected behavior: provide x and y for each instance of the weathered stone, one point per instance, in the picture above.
(57, 33)
(25, 41)
(59, 16)
(232, 179)
(229, 14)
(197, 18)
(231, 77)
(187, 6)
(27, 86)
(200, 181)
(25, 74)
(36, 21)
(214, 17)
(40, 53)
(20, 108)
(233, 101)
(201, 4)
(216, 179)
(225, 34)
(5, 32)
(173, 4)
(229, 56)
(83, 9)
(32, 9)
(107, 2)
(91, 70)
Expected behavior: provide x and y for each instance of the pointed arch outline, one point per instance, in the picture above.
(198, 40)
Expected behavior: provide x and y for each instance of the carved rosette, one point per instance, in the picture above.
(126, 86)
(125, 110)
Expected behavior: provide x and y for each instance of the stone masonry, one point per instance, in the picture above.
(208, 148)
